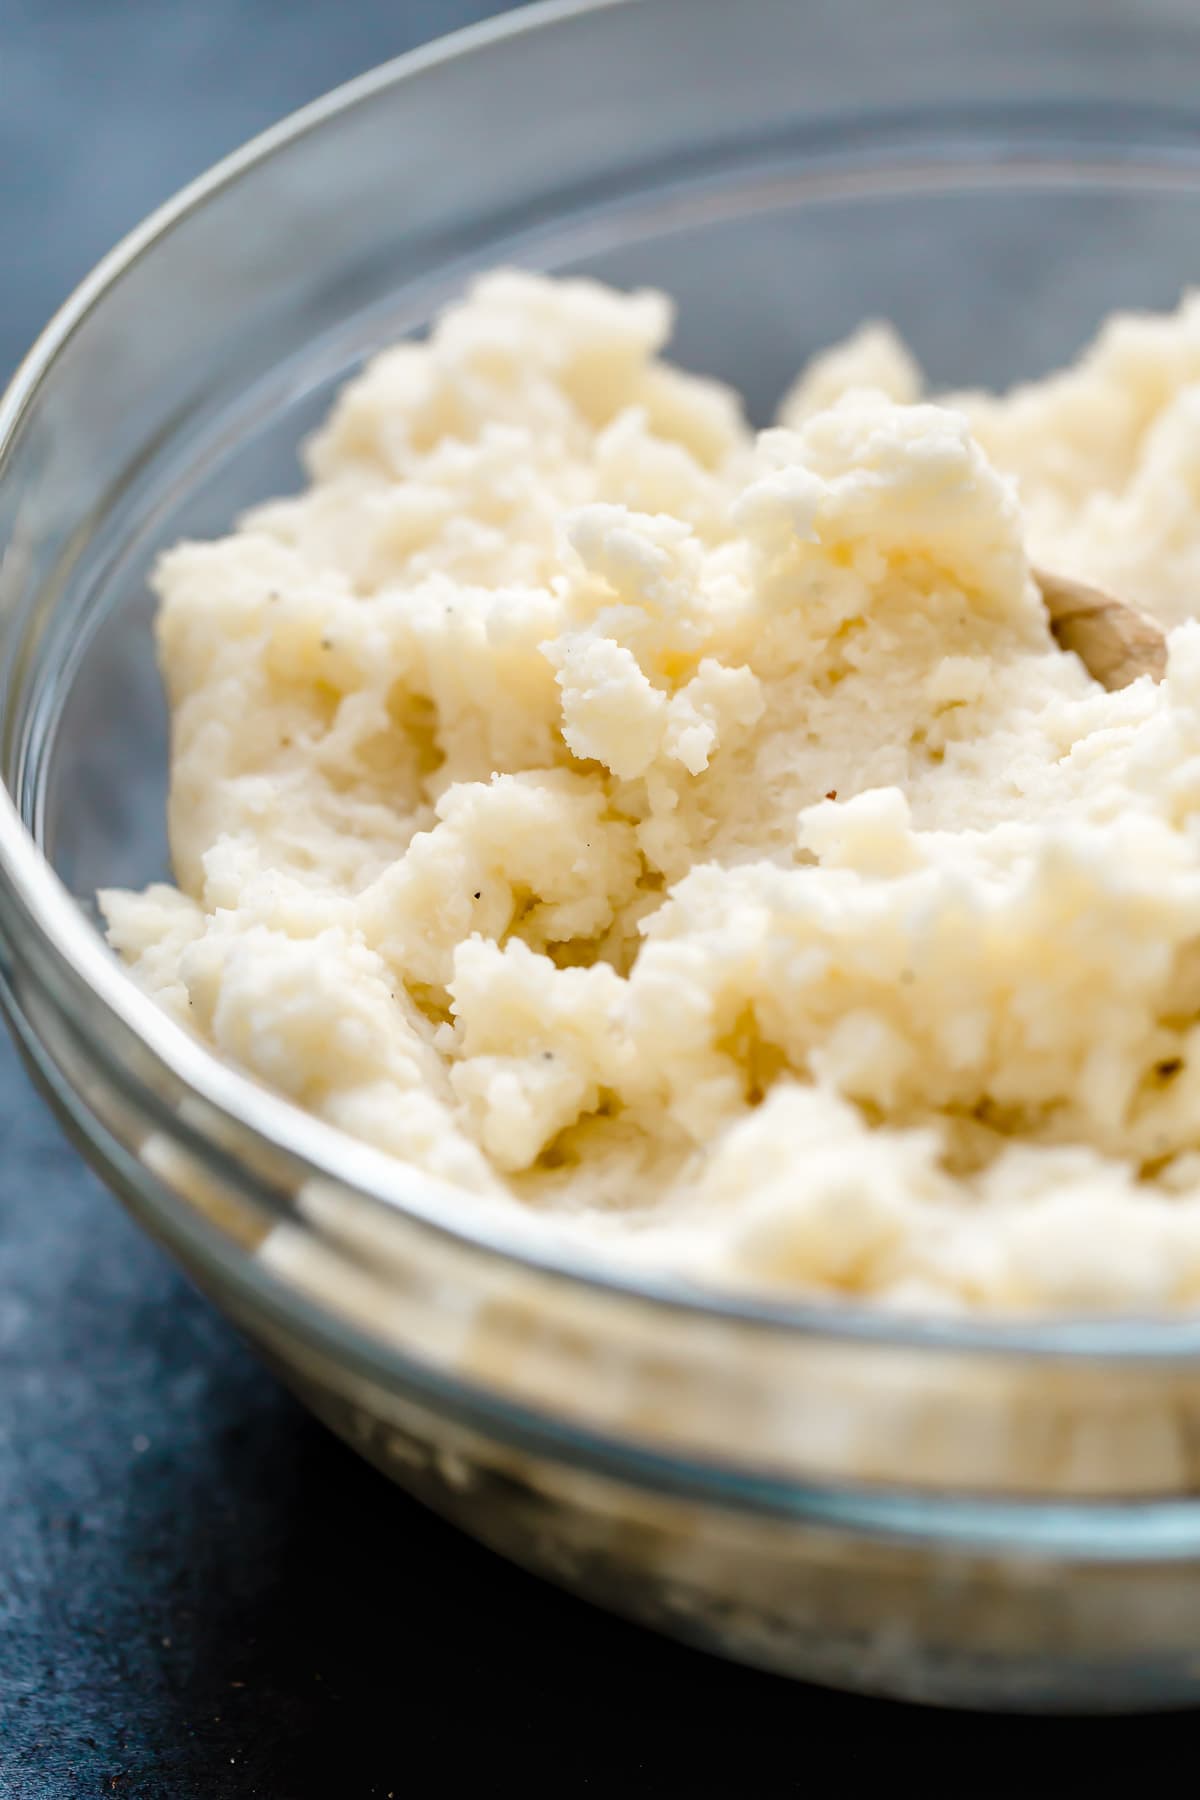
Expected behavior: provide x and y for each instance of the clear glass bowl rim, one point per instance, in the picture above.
(69, 945)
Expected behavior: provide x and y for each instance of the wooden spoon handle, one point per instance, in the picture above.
(1114, 642)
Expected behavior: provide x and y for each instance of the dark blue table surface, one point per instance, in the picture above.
(201, 1593)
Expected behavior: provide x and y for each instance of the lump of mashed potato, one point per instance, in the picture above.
(697, 840)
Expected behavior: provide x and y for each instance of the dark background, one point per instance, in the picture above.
(201, 1593)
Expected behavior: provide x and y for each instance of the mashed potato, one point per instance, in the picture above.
(696, 842)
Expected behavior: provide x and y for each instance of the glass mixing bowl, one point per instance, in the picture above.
(986, 1514)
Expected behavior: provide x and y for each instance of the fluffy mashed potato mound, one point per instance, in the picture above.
(696, 842)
